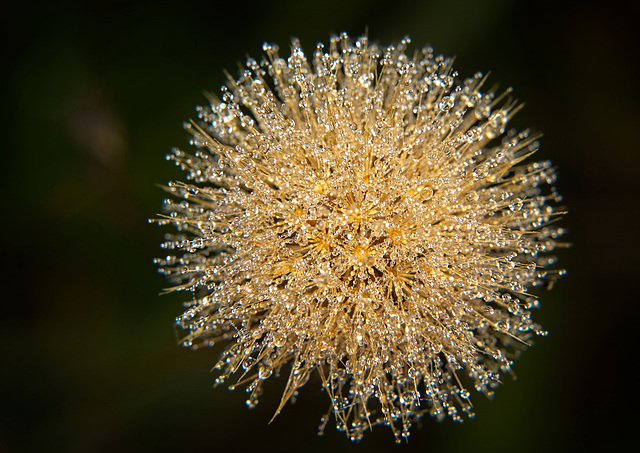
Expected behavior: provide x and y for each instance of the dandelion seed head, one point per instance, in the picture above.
(366, 216)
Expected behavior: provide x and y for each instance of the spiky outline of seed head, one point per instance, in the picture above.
(365, 217)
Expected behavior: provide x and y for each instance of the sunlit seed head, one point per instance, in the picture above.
(365, 216)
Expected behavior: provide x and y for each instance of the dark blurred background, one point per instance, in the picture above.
(94, 96)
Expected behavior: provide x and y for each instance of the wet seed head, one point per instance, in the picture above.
(366, 216)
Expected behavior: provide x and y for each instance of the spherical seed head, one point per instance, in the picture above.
(364, 217)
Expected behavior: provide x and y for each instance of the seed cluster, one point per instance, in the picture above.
(366, 216)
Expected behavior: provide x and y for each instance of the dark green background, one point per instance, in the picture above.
(93, 97)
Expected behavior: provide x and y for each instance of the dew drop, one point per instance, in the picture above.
(516, 205)
(265, 371)
(248, 363)
(279, 340)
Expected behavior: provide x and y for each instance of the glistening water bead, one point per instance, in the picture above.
(367, 217)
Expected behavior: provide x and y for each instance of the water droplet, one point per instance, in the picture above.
(265, 371)
(472, 196)
(279, 340)
(516, 205)
(248, 363)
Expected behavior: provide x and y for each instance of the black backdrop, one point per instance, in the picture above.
(93, 97)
